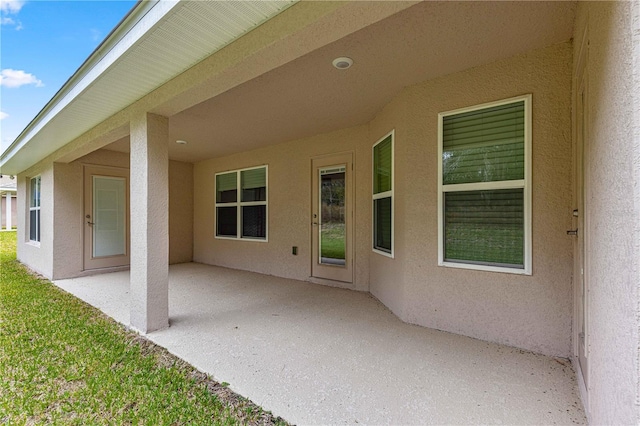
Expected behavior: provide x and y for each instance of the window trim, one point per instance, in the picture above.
(35, 208)
(525, 184)
(385, 194)
(239, 204)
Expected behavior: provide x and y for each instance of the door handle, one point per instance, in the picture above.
(90, 223)
(573, 232)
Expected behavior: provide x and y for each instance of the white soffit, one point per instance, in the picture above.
(165, 39)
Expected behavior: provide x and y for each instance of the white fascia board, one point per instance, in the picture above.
(135, 25)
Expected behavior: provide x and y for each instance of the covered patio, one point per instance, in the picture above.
(318, 355)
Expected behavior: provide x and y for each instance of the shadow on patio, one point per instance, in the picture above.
(316, 354)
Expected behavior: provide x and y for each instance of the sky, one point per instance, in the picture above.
(42, 43)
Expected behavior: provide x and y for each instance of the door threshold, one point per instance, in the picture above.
(332, 283)
(98, 271)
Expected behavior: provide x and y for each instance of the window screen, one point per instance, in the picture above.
(483, 182)
(383, 195)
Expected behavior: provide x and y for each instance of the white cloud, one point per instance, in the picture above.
(11, 6)
(16, 78)
(3, 115)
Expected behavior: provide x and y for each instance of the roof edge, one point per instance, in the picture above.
(117, 34)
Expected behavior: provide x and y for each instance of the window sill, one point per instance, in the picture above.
(485, 268)
(33, 243)
(383, 253)
(257, 240)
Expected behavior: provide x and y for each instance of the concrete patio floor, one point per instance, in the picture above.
(321, 355)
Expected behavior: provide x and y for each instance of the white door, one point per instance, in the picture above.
(106, 227)
(581, 226)
(332, 218)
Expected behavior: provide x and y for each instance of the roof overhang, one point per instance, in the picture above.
(237, 76)
(154, 43)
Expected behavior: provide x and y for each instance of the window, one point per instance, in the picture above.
(383, 196)
(241, 204)
(34, 209)
(484, 200)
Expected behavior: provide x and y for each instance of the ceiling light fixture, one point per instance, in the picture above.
(181, 142)
(342, 63)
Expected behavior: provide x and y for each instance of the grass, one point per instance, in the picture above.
(333, 240)
(62, 361)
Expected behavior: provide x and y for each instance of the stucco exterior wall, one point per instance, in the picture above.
(289, 207)
(69, 210)
(532, 312)
(613, 208)
(180, 212)
(37, 256)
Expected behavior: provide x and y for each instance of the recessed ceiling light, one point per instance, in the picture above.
(181, 142)
(342, 63)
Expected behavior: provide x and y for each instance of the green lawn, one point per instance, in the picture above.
(333, 240)
(62, 361)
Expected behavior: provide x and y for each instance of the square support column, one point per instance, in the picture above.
(149, 189)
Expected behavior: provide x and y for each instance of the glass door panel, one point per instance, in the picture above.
(332, 216)
(109, 216)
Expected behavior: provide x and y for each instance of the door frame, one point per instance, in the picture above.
(88, 262)
(340, 276)
(580, 220)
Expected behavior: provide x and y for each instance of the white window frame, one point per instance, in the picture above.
(38, 179)
(525, 184)
(239, 204)
(385, 194)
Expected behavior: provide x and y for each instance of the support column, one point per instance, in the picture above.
(8, 223)
(149, 201)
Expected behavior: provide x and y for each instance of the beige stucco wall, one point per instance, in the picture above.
(532, 312)
(613, 251)
(69, 210)
(38, 256)
(289, 204)
(180, 212)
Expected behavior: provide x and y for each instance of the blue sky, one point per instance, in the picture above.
(42, 43)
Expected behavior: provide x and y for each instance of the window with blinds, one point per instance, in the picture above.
(34, 209)
(484, 182)
(241, 204)
(383, 196)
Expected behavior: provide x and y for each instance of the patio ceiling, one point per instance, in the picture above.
(277, 96)
(307, 96)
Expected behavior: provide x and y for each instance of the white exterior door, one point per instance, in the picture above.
(332, 218)
(106, 219)
(581, 223)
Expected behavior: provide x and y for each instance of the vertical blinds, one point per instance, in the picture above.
(382, 166)
(485, 145)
